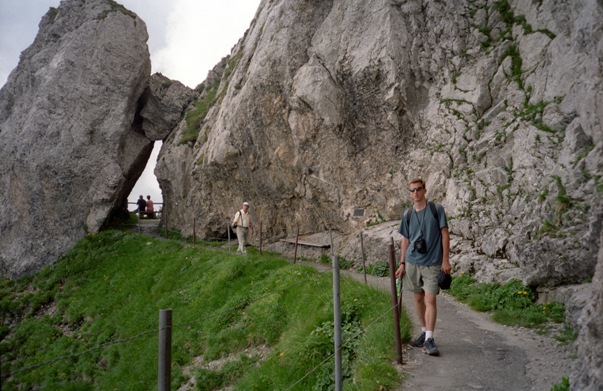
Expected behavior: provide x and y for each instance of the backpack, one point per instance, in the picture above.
(238, 216)
(434, 212)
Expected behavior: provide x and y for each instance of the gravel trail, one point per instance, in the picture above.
(478, 354)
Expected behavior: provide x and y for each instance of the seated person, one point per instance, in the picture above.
(150, 210)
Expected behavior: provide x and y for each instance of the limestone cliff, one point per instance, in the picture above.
(78, 117)
(325, 107)
(319, 117)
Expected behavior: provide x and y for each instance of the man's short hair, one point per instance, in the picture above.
(246, 203)
(417, 180)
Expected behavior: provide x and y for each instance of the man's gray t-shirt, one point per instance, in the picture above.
(423, 223)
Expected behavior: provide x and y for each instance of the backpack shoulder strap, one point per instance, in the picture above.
(434, 211)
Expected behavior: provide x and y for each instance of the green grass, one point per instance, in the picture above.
(90, 322)
(511, 304)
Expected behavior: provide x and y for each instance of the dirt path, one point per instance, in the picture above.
(477, 353)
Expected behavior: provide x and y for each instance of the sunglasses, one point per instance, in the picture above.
(416, 189)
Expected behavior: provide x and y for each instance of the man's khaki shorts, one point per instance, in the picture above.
(421, 278)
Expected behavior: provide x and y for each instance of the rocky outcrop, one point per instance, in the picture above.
(588, 370)
(328, 108)
(78, 118)
(319, 117)
(325, 108)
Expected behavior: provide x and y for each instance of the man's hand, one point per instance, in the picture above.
(400, 271)
(446, 268)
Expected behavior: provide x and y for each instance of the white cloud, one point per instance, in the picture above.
(147, 183)
(18, 27)
(196, 44)
(187, 38)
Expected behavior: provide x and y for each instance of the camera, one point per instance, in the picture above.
(421, 246)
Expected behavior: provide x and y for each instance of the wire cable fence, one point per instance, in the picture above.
(332, 355)
(150, 331)
(197, 321)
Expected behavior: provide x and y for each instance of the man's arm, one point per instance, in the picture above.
(403, 247)
(446, 268)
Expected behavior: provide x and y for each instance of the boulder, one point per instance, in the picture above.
(78, 117)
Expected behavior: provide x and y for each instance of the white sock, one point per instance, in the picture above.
(428, 334)
(423, 329)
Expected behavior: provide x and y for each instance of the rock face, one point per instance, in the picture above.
(324, 108)
(319, 117)
(73, 129)
(588, 370)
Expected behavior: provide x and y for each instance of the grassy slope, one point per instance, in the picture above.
(111, 286)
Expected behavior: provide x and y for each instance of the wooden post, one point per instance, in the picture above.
(228, 230)
(363, 262)
(392, 275)
(165, 350)
(296, 240)
(194, 233)
(260, 238)
(166, 225)
(398, 289)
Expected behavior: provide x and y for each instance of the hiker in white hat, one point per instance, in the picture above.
(244, 226)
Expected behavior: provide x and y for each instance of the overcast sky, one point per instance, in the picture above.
(186, 39)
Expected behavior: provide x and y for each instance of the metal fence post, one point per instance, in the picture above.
(260, 238)
(363, 261)
(167, 229)
(332, 245)
(296, 240)
(228, 230)
(165, 350)
(337, 324)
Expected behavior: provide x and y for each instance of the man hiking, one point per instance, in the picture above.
(425, 250)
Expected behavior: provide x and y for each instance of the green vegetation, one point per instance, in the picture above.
(195, 116)
(52, 14)
(378, 219)
(512, 304)
(598, 184)
(116, 7)
(562, 200)
(549, 228)
(90, 321)
(379, 268)
(566, 335)
(232, 65)
(516, 64)
(563, 386)
(345, 264)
